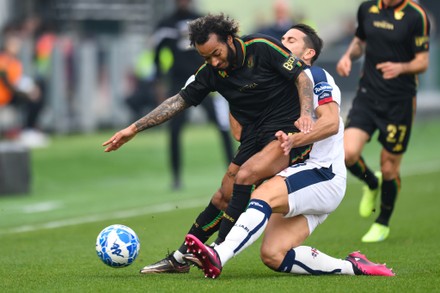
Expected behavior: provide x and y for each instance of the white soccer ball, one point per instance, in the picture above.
(117, 246)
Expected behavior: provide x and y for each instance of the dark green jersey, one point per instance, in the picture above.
(393, 34)
(261, 91)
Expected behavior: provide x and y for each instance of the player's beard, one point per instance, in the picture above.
(232, 59)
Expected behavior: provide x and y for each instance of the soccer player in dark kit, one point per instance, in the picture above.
(394, 36)
(267, 91)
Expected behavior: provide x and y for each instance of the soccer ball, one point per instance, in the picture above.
(117, 246)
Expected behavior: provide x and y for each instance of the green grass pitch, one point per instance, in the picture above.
(47, 238)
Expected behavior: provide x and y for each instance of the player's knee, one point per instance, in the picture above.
(389, 173)
(220, 200)
(271, 258)
(351, 157)
(247, 175)
(390, 168)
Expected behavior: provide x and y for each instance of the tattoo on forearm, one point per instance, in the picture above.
(164, 112)
(305, 91)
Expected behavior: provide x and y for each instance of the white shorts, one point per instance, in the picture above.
(314, 192)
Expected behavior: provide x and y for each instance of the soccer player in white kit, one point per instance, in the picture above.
(289, 206)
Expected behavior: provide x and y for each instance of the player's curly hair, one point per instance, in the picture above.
(219, 24)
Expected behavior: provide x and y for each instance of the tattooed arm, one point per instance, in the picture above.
(162, 113)
(355, 51)
(305, 91)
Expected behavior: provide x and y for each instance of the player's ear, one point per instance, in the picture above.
(310, 53)
(230, 40)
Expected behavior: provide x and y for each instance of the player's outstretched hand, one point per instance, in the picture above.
(304, 123)
(285, 140)
(120, 138)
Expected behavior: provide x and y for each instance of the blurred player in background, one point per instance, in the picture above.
(175, 60)
(394, 36)
(283, 20)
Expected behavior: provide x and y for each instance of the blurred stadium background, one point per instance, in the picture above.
(98, 43)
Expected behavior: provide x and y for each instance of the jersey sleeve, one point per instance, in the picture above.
(291, 67)
(421, 32)
(197, 87)
(280, 58)
(360, 33)
(325, 89)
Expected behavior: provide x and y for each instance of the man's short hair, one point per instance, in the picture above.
(311, 39)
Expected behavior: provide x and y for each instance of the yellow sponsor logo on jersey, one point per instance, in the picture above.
(384, 25)
(290, 63)
(228, 217)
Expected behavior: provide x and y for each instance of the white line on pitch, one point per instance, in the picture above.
(41, 207)
(159, 208)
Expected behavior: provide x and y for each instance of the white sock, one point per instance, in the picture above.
(310, 261)
(249, 227)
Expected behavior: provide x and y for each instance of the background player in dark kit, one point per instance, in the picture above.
(394, 36)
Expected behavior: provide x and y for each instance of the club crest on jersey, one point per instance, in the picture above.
(398, 15)
(374, 9)
(223, 74)
(421, 41)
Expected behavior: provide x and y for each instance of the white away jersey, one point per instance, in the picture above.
(330, 151)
